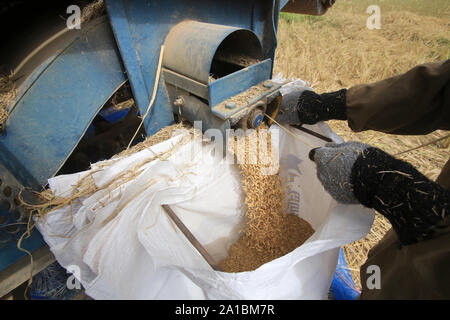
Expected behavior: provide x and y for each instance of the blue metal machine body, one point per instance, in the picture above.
(52, 112)
(56, 105)
(190, 46)
(141, 28)
(233, 84)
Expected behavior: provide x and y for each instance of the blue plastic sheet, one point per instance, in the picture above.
(343, 287)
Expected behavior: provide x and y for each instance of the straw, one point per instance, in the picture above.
(155, 90)
(8, 93)
(93, 10)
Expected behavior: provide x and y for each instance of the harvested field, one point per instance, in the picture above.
(337, 51)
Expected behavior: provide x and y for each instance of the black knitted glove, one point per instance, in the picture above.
(355, 172)
(309, 107)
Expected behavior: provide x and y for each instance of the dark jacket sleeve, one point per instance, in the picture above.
(419, 271)
(416, 102)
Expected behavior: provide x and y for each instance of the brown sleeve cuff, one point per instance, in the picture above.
(416, 102)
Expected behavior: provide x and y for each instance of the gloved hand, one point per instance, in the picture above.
(355, 172)
(308, 107)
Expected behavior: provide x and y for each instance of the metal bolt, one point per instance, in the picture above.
(230, 105)
(179, 102)
(256, 118)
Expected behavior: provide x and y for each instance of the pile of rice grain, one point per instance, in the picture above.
(269, 233)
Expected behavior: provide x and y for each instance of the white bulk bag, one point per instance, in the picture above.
(140, 254)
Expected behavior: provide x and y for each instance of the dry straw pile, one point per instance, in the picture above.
(8, 93)
(93, 10)
(337, 51)
(269, 233)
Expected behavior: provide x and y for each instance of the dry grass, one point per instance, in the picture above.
(337, 50)
(93, 10)
(8, 93)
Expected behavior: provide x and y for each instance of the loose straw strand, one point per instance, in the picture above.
(152, 100)
(288, 131)
(397, 154)
(423, 145)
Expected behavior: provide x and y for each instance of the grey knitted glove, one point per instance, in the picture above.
(308, 107)
(355, 172)
(334, 168)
